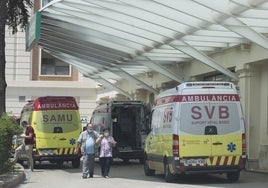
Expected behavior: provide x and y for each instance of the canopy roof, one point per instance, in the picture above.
(109, 40)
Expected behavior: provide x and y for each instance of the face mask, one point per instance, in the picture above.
(90, 131)
(106, 134)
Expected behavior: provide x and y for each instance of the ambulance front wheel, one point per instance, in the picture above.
(233, 176)
(76, 163)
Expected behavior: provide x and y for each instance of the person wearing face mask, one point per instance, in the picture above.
(106, 143)
(86, 141)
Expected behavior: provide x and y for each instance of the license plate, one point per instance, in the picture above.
(195, 161)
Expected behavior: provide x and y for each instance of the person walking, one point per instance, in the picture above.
(86, 141)
(27, 146)
(106, 143)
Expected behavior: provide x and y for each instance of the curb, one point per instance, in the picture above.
(13, 179)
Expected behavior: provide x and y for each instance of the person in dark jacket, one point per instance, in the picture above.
(27, 146)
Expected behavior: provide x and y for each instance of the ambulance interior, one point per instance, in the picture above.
(127, 126)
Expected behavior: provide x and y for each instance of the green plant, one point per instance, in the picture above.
(8, 128)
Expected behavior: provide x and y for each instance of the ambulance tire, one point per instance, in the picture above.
(147, 170)
(60, 164)
(21, 162)
(125, 160)
(167, 174)
(141, 160)
(35, 163)
(76, 163)
(233, 176)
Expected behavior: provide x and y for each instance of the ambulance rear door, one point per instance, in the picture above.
(210, 125)
(229, 125)
(193, 140)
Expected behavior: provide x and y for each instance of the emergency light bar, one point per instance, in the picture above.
(208, 84)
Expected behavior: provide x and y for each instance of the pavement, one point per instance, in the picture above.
(14, 178)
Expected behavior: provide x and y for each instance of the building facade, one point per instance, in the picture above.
(35, 73)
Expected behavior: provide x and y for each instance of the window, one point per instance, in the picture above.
(53, 66)
(194, 118)
(219, 77)
(22, 98)
(46, 2)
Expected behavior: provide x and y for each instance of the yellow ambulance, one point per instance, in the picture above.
(57, 125)
(196, 127)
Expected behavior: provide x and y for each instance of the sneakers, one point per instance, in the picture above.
(85, 176)
(27, 174)
(107, 177)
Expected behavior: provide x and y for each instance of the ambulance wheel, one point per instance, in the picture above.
(76, 163)
(167, 174)
(21, 162)
(147, 170)
(34, 164)
(60, 164)
(125, 160)
(233, 176)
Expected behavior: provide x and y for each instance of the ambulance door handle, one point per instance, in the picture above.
(62, 139)
(217, 143)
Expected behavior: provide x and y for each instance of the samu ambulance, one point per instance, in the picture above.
(57, 125)
(196, 127)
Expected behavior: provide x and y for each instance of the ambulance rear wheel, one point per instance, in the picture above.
(21, 162)
(233, 176)
(147, 170)
(60, 164)
(125, 160)
(76, 163)
(169, 177)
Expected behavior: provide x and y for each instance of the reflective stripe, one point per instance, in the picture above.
(216, 161)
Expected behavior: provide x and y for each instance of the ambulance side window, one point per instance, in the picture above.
(156, 120)
(98, 121)
(150, 121)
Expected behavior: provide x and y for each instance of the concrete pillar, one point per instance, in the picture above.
(249, 88)
(263, 147)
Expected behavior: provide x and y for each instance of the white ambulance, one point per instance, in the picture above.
(196, 127)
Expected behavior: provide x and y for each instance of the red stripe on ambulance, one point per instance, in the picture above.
(197, 98)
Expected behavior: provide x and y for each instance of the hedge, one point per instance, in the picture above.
(8, 128)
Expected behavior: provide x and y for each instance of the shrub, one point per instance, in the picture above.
(8, 128)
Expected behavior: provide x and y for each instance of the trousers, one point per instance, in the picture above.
(28, 151)
(105, 163)
(88, 164)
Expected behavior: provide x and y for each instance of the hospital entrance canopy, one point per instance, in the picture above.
(109, 40)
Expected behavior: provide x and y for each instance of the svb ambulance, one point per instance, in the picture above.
(196, 127)
(57, 125)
